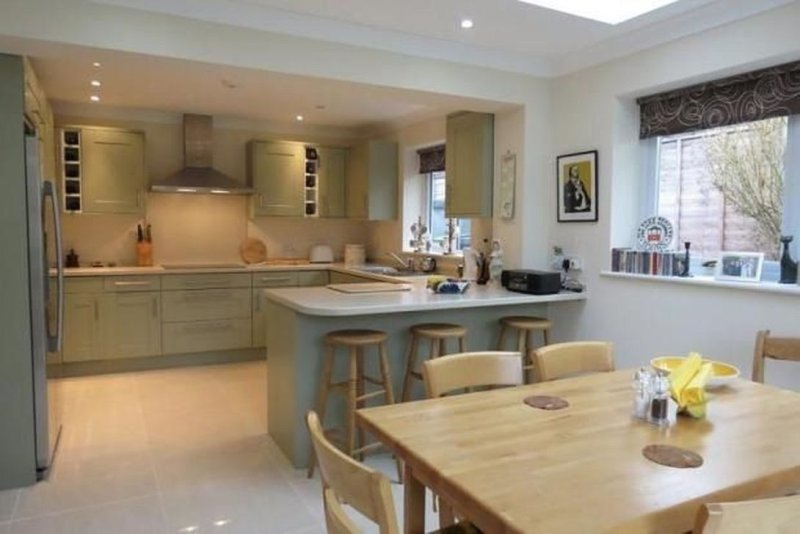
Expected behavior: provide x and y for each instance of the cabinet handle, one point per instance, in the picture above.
(276, 279)
(96, 310)
(132, 284)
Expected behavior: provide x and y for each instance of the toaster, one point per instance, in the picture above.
(321, 254)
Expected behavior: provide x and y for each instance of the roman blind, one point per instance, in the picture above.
(431, 159)
(757, 95)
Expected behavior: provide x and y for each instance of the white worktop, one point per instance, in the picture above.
(327, 302)
(256, 268)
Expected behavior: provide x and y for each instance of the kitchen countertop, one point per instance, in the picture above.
(321, 301)
(158, 269)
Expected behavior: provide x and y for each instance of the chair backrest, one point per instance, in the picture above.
(764, 516)
(562, 360)
(778, 348)
(345, 480)
(471, 369)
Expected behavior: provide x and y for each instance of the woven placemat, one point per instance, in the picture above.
(672, 456)
(546, 402)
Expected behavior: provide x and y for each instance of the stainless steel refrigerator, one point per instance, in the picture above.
(47, 302)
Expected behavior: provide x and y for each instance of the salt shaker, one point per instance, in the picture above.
(642, 389)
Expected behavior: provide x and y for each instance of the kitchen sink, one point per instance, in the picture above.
(388, 271)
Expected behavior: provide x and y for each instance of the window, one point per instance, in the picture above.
(437, 222)
(723, 188)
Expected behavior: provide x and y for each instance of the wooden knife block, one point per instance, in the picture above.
(144, 254)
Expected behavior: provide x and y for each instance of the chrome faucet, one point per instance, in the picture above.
(407, 264)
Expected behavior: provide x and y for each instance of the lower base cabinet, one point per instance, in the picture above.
(204, 336)
(83, 330)
(132, 324)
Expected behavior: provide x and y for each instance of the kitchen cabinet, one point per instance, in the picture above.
(206, 305)
(40, 114)
(469, 165)
(276, 170)
(372, 184)
(132, 324)
(266, 280)
(83, 327)
(331, 172)
(112, 170)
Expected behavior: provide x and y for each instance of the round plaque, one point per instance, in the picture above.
(546, 402)
(672, 456)
(655, 234)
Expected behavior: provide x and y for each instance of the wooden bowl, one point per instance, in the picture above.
(721, 373)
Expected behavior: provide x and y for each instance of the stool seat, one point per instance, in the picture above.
(355, 338)
(526, 322)
(439, 330)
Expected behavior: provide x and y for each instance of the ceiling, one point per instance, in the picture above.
(141, 82)
(508, 34)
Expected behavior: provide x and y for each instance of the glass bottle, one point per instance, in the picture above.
(641, 393)
(659, 403)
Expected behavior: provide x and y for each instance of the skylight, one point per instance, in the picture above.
(608, 11)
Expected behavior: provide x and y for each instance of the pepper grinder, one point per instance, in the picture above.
(685, 272)
(788, 265)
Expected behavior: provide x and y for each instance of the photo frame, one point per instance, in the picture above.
(576, 187)
(740, 266)
(508, 179)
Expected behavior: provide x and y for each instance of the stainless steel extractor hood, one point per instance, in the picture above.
(198, 175)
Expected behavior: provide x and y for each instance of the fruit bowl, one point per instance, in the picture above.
(722, 373)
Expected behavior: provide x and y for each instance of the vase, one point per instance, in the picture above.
(788, 265)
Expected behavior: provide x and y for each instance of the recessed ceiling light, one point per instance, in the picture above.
(608, 11)
(95, 83)
(95, 98)
(467, 24)
(96, 64)
(300, 118)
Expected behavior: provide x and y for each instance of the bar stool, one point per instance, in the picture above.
(354, 388)
(438, 334)
(525, 325)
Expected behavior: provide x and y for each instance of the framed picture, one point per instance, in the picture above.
(740, 266)
(577, 187)
(508, 174)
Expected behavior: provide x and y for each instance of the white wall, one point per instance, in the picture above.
(595, 109)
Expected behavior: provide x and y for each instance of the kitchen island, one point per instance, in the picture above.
(299, 318)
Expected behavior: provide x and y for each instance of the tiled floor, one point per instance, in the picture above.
(183, 450)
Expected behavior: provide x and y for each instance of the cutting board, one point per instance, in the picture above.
(253, 250)
(372, 287)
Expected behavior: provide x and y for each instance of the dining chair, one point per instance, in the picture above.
(471, 369)
(777, 348)
(766, 516)
(563, 360)
(344, 480)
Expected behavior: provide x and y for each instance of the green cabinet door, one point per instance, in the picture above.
(83, 329)
(372, 181)
(331, 176)
(469, 165)
(277, 172)
(132, 324)
(112, 163)
(259, 319)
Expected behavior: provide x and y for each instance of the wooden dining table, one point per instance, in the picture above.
(508, 467)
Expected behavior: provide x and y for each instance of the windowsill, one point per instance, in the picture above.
(455, 256)
(708, 281)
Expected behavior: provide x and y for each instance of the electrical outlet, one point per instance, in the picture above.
(575, 263)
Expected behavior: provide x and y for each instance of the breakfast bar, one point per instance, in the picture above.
(299, 318)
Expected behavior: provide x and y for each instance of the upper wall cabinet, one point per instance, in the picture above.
(331, 173)
(102, 170)
(469, 165)
(40, 115)
(372, 181)
(112, 170)
(277, 170)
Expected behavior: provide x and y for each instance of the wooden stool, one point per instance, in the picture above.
(354, 388)
(525, 326)
(438, 334)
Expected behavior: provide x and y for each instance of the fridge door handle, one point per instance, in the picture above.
(56, 342)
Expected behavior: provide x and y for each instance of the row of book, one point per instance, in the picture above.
(626, 260)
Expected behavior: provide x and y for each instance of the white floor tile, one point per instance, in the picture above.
(74, 484)
(5, 528)
(135, 516)
(8, 500)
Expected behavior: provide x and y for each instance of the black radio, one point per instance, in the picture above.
(532, 282)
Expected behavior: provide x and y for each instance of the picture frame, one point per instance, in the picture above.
(577, 187)
(739, 266)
